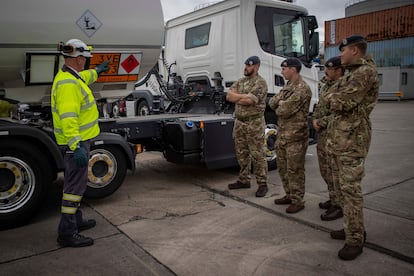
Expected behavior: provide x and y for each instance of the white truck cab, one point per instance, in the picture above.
(212, 43)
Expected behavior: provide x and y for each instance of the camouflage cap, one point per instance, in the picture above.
(351, 40)
(252, 60)
(333, 62)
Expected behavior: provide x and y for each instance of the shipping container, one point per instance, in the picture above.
(357, 7)
(381, 25)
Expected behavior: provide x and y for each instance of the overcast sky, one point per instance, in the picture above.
(324, 10)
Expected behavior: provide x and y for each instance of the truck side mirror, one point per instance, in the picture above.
(313, 45)
(312, 22)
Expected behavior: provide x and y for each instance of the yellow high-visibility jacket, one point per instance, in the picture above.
(74, 110)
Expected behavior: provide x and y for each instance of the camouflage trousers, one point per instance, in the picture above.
(349, 191)
(291, 166)
(328, 169)
(249, 146)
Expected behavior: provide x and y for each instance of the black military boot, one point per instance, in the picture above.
(238, 185)
(76, 240)
(334, 212)
(262, 191)
(325, 205)
(350, 252)
(340, 235)
(86, 224)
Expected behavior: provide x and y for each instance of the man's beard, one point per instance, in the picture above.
(247, 73)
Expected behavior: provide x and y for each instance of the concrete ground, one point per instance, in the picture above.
(169, 219)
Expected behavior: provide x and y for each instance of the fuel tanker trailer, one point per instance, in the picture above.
(128, 33)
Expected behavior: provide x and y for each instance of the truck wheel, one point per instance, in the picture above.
(270, 146)
(106, 172)
(143, 108)
(23, 180)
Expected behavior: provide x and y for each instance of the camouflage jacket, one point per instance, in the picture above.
(293, 113)
(322, 112)
(256, 88)
(349, 132)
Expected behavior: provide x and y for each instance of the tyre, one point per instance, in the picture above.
(143, 108)
(106, 171)
(270, 146)
(24, 178)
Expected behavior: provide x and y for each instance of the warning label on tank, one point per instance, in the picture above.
(130, 64)
(124, 67)
(88, 23)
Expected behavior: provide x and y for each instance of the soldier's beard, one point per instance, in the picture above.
(248, 73)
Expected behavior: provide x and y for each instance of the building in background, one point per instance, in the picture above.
(388, 27)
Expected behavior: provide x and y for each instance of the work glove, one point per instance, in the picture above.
(103, 67)
(80, 156)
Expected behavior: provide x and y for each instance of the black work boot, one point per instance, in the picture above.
(262, 191)
(76, 240)
(238, 185)
(350, 252)
(340, 235)
(325, 205)
(334, 212)
(86, 224)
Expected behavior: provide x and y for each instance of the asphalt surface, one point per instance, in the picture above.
(169, 219)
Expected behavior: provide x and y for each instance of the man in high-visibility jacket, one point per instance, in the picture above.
(75, 122)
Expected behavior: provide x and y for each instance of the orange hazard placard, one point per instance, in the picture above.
(124, 67)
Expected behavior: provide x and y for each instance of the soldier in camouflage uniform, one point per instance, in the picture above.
(349, 137)
(249, 95)
(321, 116)
(292, 109)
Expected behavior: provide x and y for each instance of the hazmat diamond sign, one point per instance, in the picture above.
(130, 63)
(88, 23)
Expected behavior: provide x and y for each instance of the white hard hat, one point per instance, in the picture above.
(74, 48)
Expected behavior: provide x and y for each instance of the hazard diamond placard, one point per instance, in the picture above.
(130, 64)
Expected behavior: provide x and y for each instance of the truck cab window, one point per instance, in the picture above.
(197, 36)
(288, 38)
(280, 32)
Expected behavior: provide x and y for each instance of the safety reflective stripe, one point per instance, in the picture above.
(72, 198)
(89, 125)
(85, 95)
(68, 210)
(87, 105)
(66, 81)
(74, 140)
(58, 130)
(91, 77)
(68, 115)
